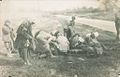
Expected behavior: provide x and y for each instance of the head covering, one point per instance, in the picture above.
(96, 34)
(81, 39)
(28, 22)
(7, 22)
(56, 33)
(73, 17)
(53, 32)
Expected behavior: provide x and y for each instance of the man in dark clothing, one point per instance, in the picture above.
(70, 28)
(117, 24)
(24, 40)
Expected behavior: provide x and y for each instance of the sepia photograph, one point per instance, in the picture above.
(59, 38)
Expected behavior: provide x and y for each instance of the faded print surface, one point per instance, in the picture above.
(51, 15)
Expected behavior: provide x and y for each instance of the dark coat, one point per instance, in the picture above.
(24, 33)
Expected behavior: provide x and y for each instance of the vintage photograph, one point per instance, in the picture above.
(60, 38)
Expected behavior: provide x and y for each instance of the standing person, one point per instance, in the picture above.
(69, 31)
(117, 24)
(72, 26)
(6, 32)
(23, 40)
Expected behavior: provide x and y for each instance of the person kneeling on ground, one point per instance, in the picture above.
(76, 41)
(93, 45)
(63, 43)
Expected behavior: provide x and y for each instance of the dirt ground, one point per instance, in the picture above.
(72, 65)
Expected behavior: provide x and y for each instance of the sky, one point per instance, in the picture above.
(50, 5)
(16, 8)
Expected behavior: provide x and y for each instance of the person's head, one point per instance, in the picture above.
(7, 23)
(31, 23)
(87, 39)
(73, 17)
(92, 35)
(59, 34)
(28, 22)
(56, 34)
(76, 35)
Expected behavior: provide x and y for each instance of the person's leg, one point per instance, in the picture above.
(12, 46)
(117, 29)
(25, 56)
(117, 34)
(48, 48)
(7, 46)
(28, 57)
(20, 52)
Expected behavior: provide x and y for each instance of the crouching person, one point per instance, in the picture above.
(23, 40)
(63, 43)
(93, 45)
(76, 42)
(44, 40)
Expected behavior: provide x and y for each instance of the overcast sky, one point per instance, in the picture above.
(32, 7)
(49, 5)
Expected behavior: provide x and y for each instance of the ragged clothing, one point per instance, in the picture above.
(93, 45)
(24, 34)
(69, 31)
(97, 46)
(76, 41)
(43, 40)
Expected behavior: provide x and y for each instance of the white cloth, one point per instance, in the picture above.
(63, 43)
(95, 33)
(46, 36)
(44, 39)
(81, 39)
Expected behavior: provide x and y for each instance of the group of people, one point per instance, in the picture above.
(25, 42)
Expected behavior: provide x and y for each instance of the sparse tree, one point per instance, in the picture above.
(106, 5)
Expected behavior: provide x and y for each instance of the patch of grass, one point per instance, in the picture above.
(68, 66)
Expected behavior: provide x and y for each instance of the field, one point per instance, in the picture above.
(71, 65)
(91, 13)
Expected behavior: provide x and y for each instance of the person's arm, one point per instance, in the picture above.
(23, 31)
